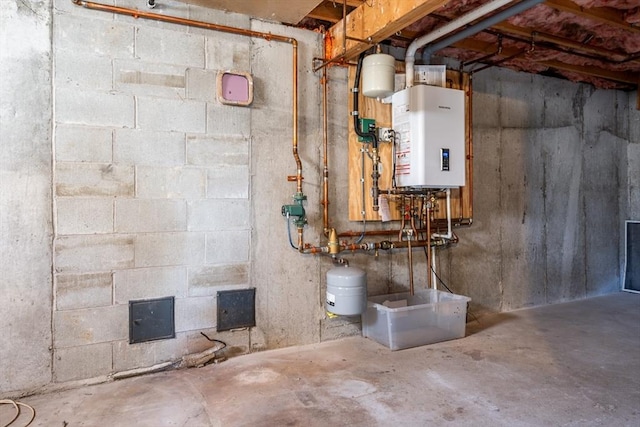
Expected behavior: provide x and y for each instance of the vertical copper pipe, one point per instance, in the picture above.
(428, 239)
(470, 148)
(325, 149)
(226, 29)
(294, 44)
(410, 252)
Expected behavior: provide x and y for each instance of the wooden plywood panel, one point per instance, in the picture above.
(462, 199)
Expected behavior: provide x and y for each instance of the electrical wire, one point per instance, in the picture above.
(224, 344)
(394, 138)
(438, 277)
(363, 211)
(16, 405)
(289, 233)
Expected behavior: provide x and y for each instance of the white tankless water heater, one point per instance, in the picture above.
(429, 123)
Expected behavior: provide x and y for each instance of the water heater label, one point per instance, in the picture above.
(331, 299)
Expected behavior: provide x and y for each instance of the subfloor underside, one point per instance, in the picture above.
(573, 364)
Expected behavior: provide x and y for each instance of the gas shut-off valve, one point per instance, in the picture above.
(296, 211)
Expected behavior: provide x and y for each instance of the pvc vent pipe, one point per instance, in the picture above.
(476, 28)
(447, 29)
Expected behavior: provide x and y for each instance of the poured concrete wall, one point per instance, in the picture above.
(25, 194)
(159, 190)
(552, 179)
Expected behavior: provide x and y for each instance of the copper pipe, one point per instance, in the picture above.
(404, 244)
(182, 21)
(374, 233)
(325, 145)
(294, 44)
(469, 187)
(410, 252)
(402, 213)
(226, 29)
(429, 246)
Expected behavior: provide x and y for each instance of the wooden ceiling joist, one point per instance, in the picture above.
(530, 33)
(375, 21)
(487, 48)
(331, 10)
(603, 15)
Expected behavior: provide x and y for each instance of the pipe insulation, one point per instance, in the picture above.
(443, 31)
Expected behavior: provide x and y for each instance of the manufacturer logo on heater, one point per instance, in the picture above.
(444, 107)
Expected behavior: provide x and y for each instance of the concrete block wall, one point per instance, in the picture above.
(130, 182)
(155, 188)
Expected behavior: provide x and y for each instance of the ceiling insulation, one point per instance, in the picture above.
(591, 41)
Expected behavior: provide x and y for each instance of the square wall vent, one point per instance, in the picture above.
(151, 319)
(236, 309)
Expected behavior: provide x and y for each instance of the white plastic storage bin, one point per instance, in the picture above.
(402, 321)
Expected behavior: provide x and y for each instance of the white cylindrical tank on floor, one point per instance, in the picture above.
(346, 291)
(378, 75)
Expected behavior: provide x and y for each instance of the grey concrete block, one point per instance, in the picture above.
(74, 291)
(84, 216)
(228, 182)
(83, 144)
(131, 356)
(93, 253)
(86, 180)
(208, 14)
(230, 120)
(78, 363)
(149, 283)
(137, 147)
(90, 326)
(228, 52)
(228, 246)
(143, 215)
(170, 47)
(94, 108)
(171, 115)
(138, 77)
(201, 84)
(176, 182)
(172, 7)
(94, 37)
(218, 214)
(83, 71)
(195, 313)
(208, 280)
(211, 150)
(166, 249)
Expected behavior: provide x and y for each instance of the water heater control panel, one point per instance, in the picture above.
(429, 124)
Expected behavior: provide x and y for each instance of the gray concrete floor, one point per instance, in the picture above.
(573, 364)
